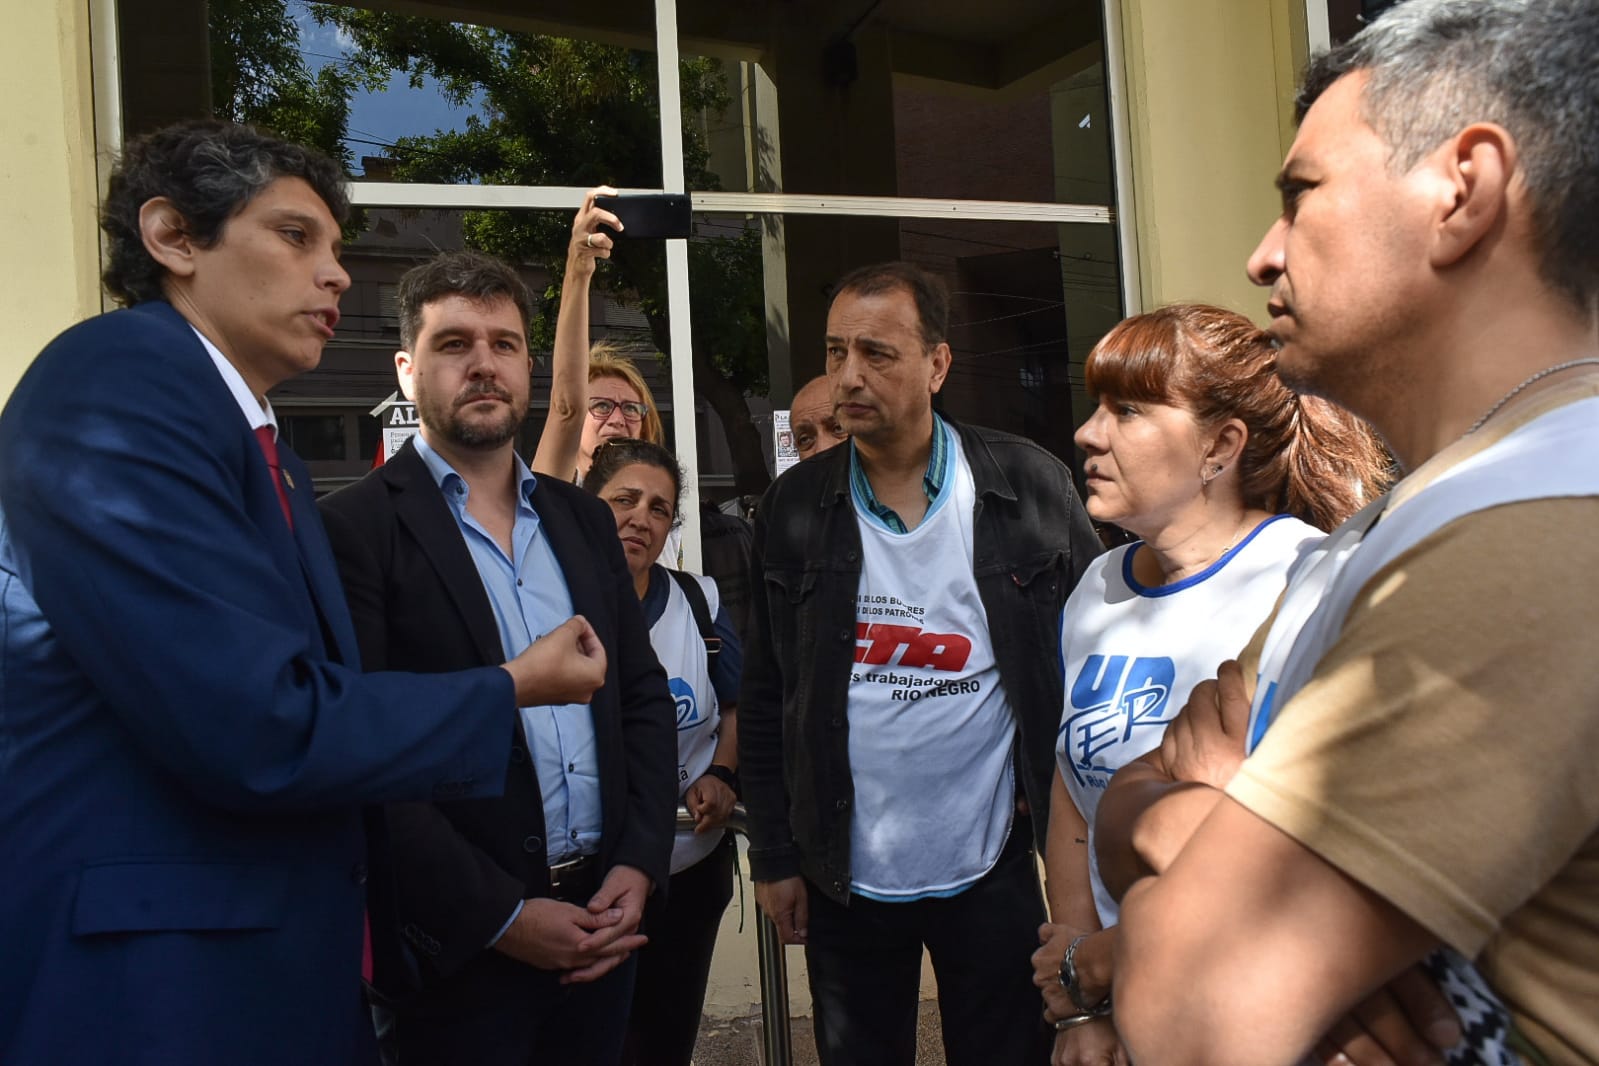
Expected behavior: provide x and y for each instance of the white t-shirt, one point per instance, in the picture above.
(930, 732)
(1132, 654)
(675, 636)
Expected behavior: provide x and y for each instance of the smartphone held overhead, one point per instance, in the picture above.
(650, 215)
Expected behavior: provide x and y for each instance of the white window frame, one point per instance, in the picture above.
(1318, 26)
(105, 53)
(105, 65)
(1121, 155)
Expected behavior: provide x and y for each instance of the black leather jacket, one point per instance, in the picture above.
(1032, 541)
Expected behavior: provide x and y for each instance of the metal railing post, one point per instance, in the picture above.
(775, 1028)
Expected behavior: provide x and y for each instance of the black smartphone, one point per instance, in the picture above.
(648, 214)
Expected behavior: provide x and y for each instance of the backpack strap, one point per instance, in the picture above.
(701, 608)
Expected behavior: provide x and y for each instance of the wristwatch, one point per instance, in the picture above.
(724, 775)
(1068, 981)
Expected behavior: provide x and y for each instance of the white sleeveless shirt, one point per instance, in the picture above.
(930, 732)
(1132, 654)
(675, 636)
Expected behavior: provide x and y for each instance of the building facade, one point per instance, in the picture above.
(1061, 163)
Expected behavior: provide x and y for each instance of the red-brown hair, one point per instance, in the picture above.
(1304, 456)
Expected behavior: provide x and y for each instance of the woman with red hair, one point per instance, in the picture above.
(1197, 448)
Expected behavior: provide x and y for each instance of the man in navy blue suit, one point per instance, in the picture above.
(186, 736)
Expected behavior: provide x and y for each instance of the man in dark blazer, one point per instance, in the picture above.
(185, 734)
(520, 913)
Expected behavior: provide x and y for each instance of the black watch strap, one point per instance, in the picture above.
(724, 775)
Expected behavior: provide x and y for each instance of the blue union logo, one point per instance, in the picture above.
(1111, 697)
(688, 708)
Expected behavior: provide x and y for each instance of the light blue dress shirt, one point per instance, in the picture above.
(529, 595)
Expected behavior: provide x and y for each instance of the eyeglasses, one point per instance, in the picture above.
(602, 408)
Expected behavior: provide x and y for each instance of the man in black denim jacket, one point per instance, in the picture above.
(825, 745)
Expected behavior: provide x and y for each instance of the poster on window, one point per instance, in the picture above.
(397, 417)
(784, 453)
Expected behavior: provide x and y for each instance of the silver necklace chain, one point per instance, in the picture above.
(1513, 393)
(1238, 533)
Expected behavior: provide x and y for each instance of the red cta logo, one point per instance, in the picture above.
(875, 645)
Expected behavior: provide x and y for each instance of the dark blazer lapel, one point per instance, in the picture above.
(263, 505)
(575, 554)
(316, 561)
(285, 547)
(420, 508)
(577, 558)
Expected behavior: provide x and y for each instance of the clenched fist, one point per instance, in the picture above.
(565, 665)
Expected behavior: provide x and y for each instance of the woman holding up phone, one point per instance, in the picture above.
(596, 392)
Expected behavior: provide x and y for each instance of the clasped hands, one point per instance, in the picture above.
(1095, 1043)
(583, 943)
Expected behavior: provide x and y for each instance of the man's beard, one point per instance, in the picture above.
(449, 423)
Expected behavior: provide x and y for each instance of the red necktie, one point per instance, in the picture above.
(269, 448)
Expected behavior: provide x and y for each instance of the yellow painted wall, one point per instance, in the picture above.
(48, 190)
(1210, 86)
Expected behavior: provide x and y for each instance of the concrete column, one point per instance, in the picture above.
(47, 178)
(1210, 88)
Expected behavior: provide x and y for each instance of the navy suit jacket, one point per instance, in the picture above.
(461, 866)
(185, 733)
